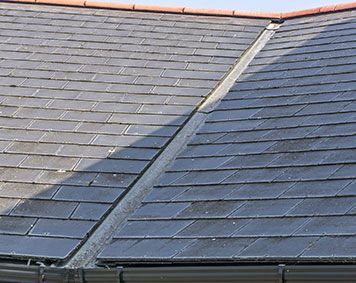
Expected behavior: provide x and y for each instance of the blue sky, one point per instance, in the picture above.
(254, 5)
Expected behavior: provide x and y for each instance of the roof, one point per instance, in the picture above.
(271, 174)
(91, 99)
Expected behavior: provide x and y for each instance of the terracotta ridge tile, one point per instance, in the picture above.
(194, 11)
(319, 10)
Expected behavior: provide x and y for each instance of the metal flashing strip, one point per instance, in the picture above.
(86, 255)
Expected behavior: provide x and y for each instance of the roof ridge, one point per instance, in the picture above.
(193, 11)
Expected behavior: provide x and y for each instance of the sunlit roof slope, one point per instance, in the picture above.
(88, 98)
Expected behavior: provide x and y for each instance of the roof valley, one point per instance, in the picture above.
(87, 254)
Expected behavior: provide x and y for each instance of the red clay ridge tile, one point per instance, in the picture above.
(217, 12)
(139, 7)
(97, 4)
(299, 13)
(17, 1)
(327, 9)
(345, 6)
(248, 14)
(62, 2)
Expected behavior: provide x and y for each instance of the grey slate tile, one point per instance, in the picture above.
(16, 225)
(61, 228)
(258, 208)
(259, 191)
(111, 166)
(316, 188)
(332, 247)
(330, 225)
(149, 229)
(212, 228)
(278, 247)
(271, 227)
(27, 190)
(323, 206)
(44, 208)
(88, 194)
(54, 248)
(213, 209)
(215, 248)
(123, 249)
(159, 210)
(90, 211)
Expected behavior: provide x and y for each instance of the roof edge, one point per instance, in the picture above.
(193, 11)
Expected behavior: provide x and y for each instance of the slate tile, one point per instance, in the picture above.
(44, 208)
(66, 178)
(349, 190)
(49, 162)
(144, 119)
(289, 247)
(143, 249)
(214, 248)
(332, 247)
(16, 225)
(61, 228)
(158, 194)
(198, 163)
(90, 211)
(101, 128)
(202, 177)
(213, 209)
(111, 166)
(323, 206)
(61, 137)
(39, 113)
(346, 171)
(112, 180)
(133, 153)
(12, 160)
(84, 151)
(150, 229)
(86, 116)
(271, 227)
(201, 193)
(308, 173)
(332, 225)
(254, 175)
(258, 208)
(259, 191)
(136, 141)
(27, 190)
(48, 125)
(88, 194)
(159, 210)
(19, 175)
(7, 205)
(212, 228)
(316, 188)
(19, 246)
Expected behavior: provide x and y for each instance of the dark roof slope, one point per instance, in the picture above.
(88, 98)
(271, 174)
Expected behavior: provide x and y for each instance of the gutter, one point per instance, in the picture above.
(188, 274)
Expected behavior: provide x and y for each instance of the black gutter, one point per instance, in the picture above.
(187, 274)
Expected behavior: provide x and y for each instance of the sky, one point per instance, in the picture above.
(250, 5)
